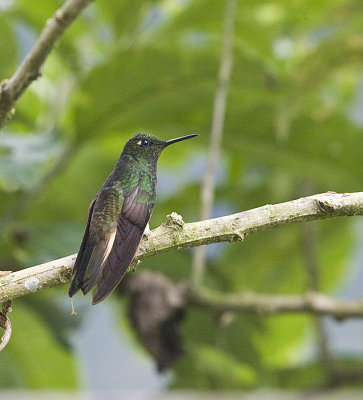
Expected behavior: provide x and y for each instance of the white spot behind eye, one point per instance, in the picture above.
(139, 143)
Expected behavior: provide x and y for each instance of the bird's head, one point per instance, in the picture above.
(144, 146)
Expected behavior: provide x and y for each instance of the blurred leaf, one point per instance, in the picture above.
(8, 46)
(107, 101)
(209, 367)
(23, 159)
(30, 366)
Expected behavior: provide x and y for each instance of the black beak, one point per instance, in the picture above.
(179, 139)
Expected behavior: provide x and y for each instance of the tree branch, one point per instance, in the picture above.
(313, 303)
(174, 234)
(29, 70)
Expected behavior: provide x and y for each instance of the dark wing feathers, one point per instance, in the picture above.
(97, 240)
(96, 261)
(105, 254)
(131, 225)
(84, 253)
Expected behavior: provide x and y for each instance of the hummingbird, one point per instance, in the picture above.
(118, 217)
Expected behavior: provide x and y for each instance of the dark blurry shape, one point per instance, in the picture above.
(118, 217)
(156, 310)
(20, 236)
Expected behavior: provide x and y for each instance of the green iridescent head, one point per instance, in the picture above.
(149, 147)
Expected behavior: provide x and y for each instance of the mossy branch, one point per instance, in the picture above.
(175, 234)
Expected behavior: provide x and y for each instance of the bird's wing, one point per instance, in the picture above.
(97, 240)
(135, 215)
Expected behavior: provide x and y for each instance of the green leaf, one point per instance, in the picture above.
(210, 368)
(8, 46)
(36, 360)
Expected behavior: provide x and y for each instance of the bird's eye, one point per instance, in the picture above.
(143, 143)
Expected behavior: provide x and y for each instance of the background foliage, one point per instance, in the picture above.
(293, 127)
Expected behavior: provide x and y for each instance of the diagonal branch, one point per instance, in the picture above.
(29, 70)
(174, 234)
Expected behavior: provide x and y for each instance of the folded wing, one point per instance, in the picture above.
(135, 215)
(97, 240)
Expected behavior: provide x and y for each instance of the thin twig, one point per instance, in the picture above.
(310, 249)
(219, 111)
(30, 68)
(5, 323)
(310, 243)
(261, 304)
